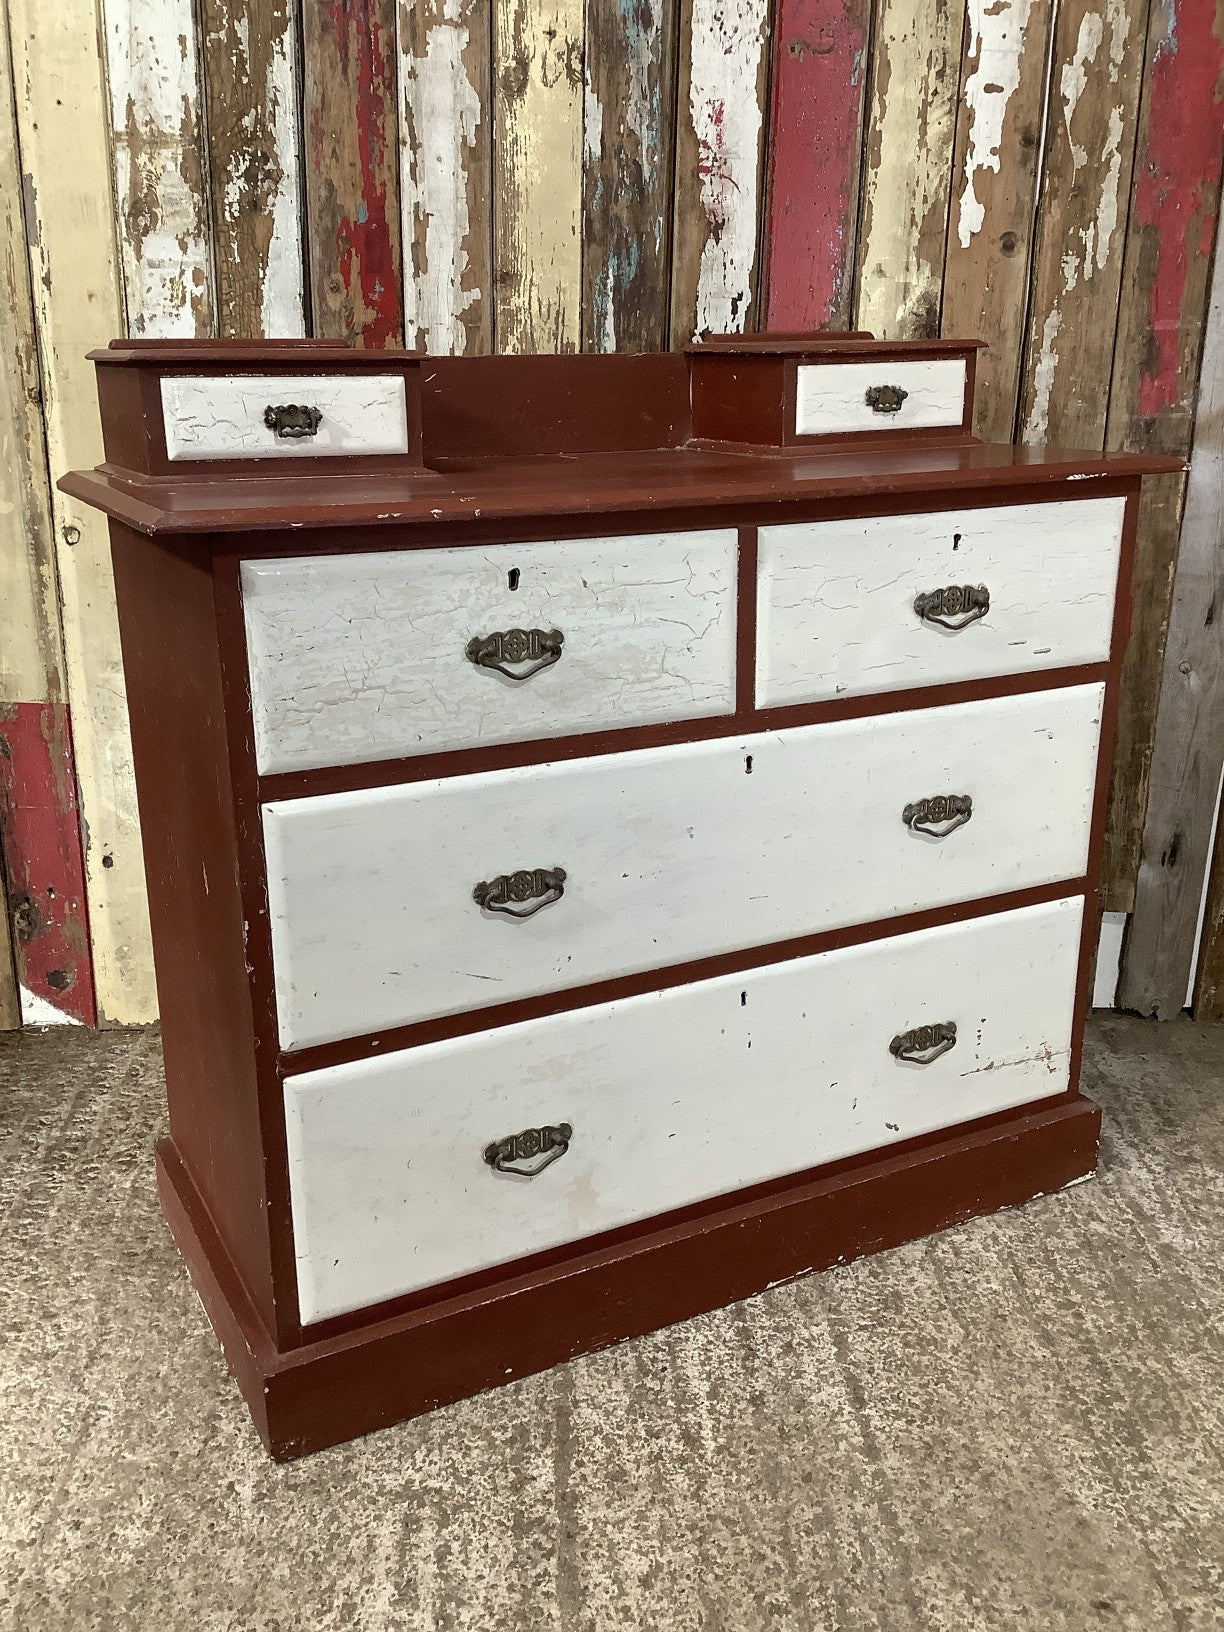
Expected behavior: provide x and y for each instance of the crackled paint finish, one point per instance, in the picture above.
(1090, 147)
(719, 166)
(628, 120)
(352, 219)
(994, 202)
(819, 81)
(254, 144)
(446, 175)
(909, 164)
(153, 74)
(537, 182)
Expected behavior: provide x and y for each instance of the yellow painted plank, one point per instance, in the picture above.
(63, 123)
(537, 179)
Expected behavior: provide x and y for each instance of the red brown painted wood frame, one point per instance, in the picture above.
(249, 794)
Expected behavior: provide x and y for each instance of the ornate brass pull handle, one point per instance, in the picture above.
(939, 816)
(529, 1152)
(924, 1043)
(885, 399)
(962, 602)
(520, 894)
(292, 421)
(538, 647)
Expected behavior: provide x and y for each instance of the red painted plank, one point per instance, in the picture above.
(40, 825)
(815, 151)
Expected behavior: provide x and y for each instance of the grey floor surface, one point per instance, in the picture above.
(1017, 1424)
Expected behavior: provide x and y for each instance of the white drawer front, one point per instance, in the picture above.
(362, 657)
(837, 618)
(831, 398)
(672, 1098)
(670, 854)
(222, 416)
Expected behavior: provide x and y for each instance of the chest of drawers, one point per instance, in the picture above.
(620, 833)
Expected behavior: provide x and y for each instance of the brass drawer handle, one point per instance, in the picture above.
(529, 1152)
(963, 602)
(520, 894)
(939, 816)
(924, 1043)
(292, 421)
(885, 399)
(538, 647)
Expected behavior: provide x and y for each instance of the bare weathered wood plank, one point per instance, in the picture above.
(910, 134)
(815, 154)
(1189, 736)
(446, 175)
(720, 139)
(629, 124)
(1086, 178)
(10, 1005)
(153, 74)
(64, 122)
(1170, 229)
(994, 197)
(537, 181)
(352, 200)
(254, 150)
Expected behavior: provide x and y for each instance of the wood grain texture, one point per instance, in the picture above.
(10, 1003)
(63, 121)
(820, 72)
(537, 182)
(628, 131)
(1086, 178)
(720, 138)
(910, 135)
(994, 196)
(254, 147)
(351, 147)
(153, 74)
(446, 175)
(1189, 733)
(1157, 353)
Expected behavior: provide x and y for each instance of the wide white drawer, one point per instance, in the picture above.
(669, 854)
(670, 1098)
(837, 614)
(361, 657)
(833, 398)
(209, 416)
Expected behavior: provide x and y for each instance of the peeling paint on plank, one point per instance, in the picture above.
(909, 164)
(352, 207)
(446, 174)
(628, 130)
(816, 138)
(250, 75)
(719, 166)
(537, 182)
(153, 74)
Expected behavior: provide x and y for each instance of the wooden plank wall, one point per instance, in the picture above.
(519, 175)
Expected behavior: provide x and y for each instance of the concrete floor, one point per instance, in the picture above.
(1018, 1424)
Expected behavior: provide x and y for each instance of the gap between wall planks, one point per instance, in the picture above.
(350, 147)
(253, 144)
(1159, 948)
(446, 174)
(44, 941)
(63, 124)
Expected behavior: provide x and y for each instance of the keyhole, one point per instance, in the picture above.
(512, 577)
(956, 538)
(748, 765)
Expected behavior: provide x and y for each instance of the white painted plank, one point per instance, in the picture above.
(222, 417)
(1109, 956)
(836, 609)
(154, 79)
(670, 854)
(831, 398)
(672, 1098)
(362, 657)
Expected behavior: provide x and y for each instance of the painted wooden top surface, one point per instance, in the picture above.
(693, 479)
